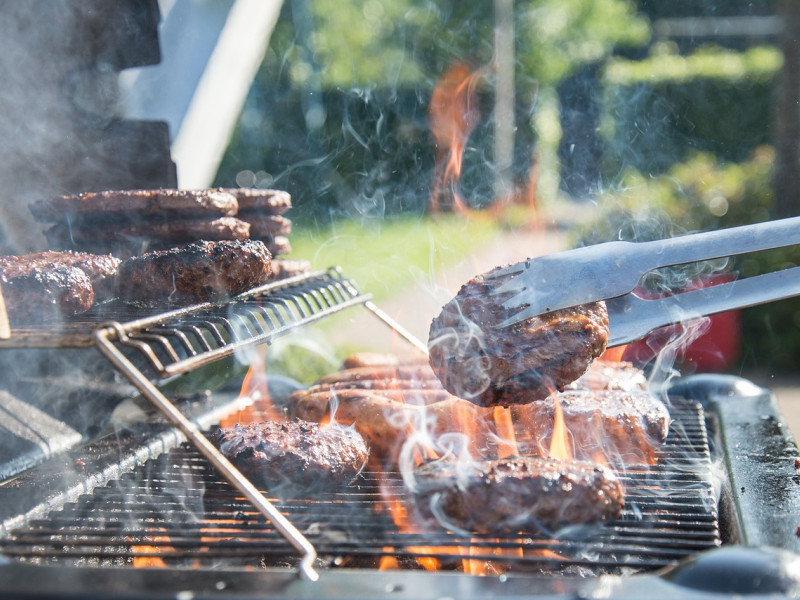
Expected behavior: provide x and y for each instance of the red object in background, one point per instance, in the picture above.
(713, 351)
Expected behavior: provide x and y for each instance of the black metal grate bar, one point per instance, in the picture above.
(175, 511)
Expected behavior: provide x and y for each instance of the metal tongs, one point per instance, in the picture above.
(611, 272)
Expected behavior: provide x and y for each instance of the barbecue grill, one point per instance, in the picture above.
(150, 509)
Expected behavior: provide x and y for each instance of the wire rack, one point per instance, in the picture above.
(149, 347)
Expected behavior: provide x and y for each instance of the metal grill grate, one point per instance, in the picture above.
(182, 341)
(175, 511)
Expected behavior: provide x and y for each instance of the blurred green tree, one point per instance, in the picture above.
(338, 114)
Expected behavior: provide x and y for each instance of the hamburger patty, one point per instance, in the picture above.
(295, 456)
(255, 201)
(199, 272)
(46, 294)
(45, 285)
(101, 269)
(167, 233)
(113, 204)
(515, 494)
(625, 428)
(477, 360)
(283, 268)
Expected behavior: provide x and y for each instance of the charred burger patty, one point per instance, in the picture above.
(294, 456)
(477, 360)
(198, 272)
(516, 494)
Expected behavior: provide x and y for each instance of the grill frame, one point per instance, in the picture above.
(180, 497)
(738, 412)
(730, 405)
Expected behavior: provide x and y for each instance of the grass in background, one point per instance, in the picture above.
(385, 257)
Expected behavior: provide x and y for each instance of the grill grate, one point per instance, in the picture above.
(174, 511)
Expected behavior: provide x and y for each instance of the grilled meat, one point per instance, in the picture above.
(294, 457)
(388, 403)
(267, 226)
(254, 201)
(46, 285)
(278, 245)
(199, 272)
(478, 361)
(625, 428)
(623, 376)
(162, 234)
(142, 204)
(100, 268)
(46, 294)
(284, 268)
(385, 421)
(515, 494)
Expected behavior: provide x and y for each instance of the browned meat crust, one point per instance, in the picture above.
(283, 268)
(278, 245)
(623, 376)
(199, 272)
(46, 294)
(261, 201)
(100, 268)
(477, 361)
(293, 457)
(385, 420)
(108, 205)
(377, 359)
(515, 494)
(174, 231)
(624, 428)
(267, 226)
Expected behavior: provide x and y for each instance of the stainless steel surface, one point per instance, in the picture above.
(631, 317)
(613, 269)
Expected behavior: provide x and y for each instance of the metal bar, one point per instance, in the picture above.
(207, 449)
(402, 331)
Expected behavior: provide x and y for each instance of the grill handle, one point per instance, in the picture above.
(102, 337)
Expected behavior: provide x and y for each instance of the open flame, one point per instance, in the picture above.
(559, 443)
(453, 117)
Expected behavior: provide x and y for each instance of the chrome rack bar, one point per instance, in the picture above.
(103, 337)
(402, 331)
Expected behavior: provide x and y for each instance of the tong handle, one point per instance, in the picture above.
(612, 269)
(632, 317)
(718, 244)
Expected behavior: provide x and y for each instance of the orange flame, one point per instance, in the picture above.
(145, 555)
(453, 116)
(559, 443)
(507, 442)
(254, 386)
